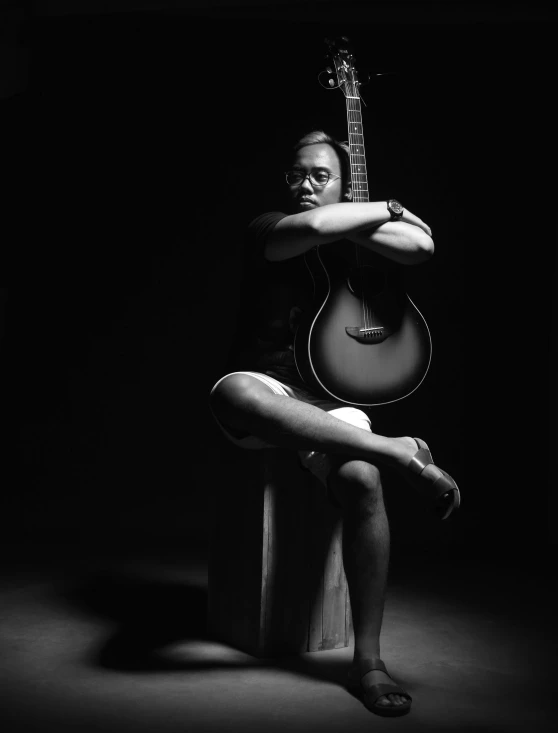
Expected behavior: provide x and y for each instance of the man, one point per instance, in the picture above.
(272, 406)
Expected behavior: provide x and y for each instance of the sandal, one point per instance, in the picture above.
(441, 490)
(371, 695)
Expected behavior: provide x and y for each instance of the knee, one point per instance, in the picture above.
(357, 481)
(234, 391)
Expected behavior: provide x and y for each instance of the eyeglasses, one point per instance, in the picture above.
(317, 179)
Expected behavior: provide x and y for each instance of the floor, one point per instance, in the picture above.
(114, 640)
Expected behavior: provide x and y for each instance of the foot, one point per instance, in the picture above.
(377, 677)
(392, 702)
(405, 449)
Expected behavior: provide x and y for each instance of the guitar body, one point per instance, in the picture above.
(334, 351)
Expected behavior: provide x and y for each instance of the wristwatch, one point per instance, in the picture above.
(395, 209)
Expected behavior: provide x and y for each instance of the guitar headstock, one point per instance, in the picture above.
(342, 70)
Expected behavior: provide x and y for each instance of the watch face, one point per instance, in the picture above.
(395, 206)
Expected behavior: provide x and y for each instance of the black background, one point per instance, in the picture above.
(143, 141)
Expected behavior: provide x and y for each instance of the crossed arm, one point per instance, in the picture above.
(407, 241)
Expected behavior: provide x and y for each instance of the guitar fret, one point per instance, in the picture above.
(359, 181)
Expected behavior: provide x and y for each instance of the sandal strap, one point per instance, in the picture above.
(369, 665)
(443, 484)
(420, 460)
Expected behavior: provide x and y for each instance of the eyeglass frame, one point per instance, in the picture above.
(331, 177)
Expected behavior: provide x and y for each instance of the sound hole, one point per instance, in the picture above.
(367, 281)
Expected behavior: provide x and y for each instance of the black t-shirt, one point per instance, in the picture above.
(274, 294)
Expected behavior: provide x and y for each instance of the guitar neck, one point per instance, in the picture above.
(359, 178)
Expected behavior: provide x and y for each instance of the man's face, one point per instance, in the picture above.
(319, 158)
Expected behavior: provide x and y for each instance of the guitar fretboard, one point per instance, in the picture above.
(359, 178)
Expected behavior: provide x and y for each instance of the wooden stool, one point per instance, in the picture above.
(276, 579)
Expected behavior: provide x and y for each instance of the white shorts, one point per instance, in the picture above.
(317, 463)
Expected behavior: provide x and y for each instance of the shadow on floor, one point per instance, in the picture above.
(155, 621)
(149, 616)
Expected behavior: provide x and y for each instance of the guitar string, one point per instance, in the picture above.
(356, 199)
(364, 197)
(350, 91)
(354, 117)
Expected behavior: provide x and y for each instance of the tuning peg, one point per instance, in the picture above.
(326, 83)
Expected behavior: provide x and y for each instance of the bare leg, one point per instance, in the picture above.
(358, 488)
(245, 404)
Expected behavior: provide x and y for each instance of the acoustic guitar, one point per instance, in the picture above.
(364, 342)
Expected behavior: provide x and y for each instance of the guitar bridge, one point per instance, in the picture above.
(374, 335)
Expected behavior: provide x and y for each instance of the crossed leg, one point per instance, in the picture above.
(247, 406)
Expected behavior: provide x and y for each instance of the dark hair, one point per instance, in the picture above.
(318, 137)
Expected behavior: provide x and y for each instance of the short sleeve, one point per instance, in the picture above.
(260, 227)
